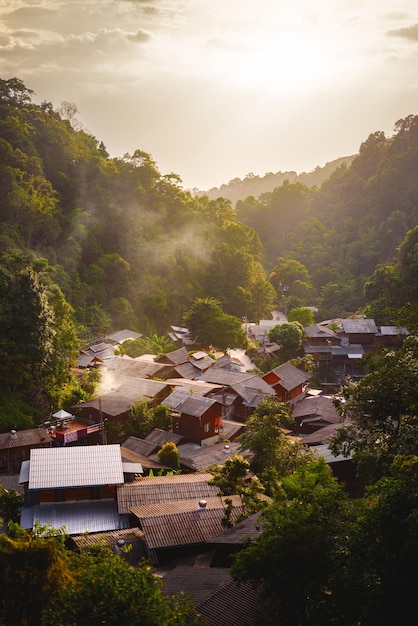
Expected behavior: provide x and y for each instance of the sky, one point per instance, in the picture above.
(216, 89)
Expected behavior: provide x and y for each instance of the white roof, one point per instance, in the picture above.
(75, 466)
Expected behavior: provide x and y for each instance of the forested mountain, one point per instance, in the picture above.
(354, 222)
(127, 245)
(255, 185)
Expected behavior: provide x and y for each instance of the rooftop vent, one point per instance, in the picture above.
(226, 448)
(13, 434)
(202, 504)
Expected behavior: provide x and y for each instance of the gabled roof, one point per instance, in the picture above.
(197, 387)
(184, 522)
(159, 437)
(112, 403)
(24, 438)
(197, 582)
(290, 376)
(237, 603)
(316, 407)
(199, 458)
(187, 370)
(393, 331)
(140, 446)
(139, 388)
(319, 331)
(188, 403)
(126, 368)
(75, 466)
(322, 435)
(163, 489)
(123, 335)
(249, 528)
(201, 360)
(237, 380)
(175, 357)
(359, 326)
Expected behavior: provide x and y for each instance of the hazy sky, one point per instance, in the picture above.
(215, 89)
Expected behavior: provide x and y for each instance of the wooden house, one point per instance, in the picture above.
(195, 418)
(15, 446)
(240, 393)
(72, 487)
(288, 382)
(314, 413)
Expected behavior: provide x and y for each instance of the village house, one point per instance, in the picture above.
(73, 487)
(195, 418)
(15, 446)
(241, 392)
(289, 383)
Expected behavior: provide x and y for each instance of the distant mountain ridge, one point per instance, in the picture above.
(254, 185)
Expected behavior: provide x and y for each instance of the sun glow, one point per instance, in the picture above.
(282, 64)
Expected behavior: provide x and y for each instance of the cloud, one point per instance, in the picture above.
(408, 32)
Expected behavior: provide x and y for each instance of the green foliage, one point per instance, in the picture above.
(32, 570)
(263, 436)
(302, 315)
(169, 456)
(107, 590)
(210, 326)
(11, 503)
(293, 557)
(142, 420)
(382, 409)
(289, 336)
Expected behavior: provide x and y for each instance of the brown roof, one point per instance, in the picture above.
(176, 357)
(158, 489)
(11, 482)
(140, 446)
(237, 603)
(290, 376)
(316, 407)
(197, 582)
(184, 523)
(200, 458)
(159, 437)
(249, 528)
(135, 457)
(24, 438)
(322, 435)
(190, 404)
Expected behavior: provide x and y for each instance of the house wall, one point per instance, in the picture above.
(73, 494)
(199, 429)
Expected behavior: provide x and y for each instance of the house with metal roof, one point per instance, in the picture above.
(15, 446)
(185, 526)
(73, 487)
(288, 382)
(240, 393)
(314, 413)
(164, 489)
(195, 418)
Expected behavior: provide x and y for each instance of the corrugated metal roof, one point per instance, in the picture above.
(366, 326)
(159, 437)
(174, 488)
(290, 376)
(22, 438)
(75, 466)
(184, 527)
(237, 603)
(79, 517)
(158, 509)
(198, 582)
(249, 528)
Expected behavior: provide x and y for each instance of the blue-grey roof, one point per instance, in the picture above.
(77, 517)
